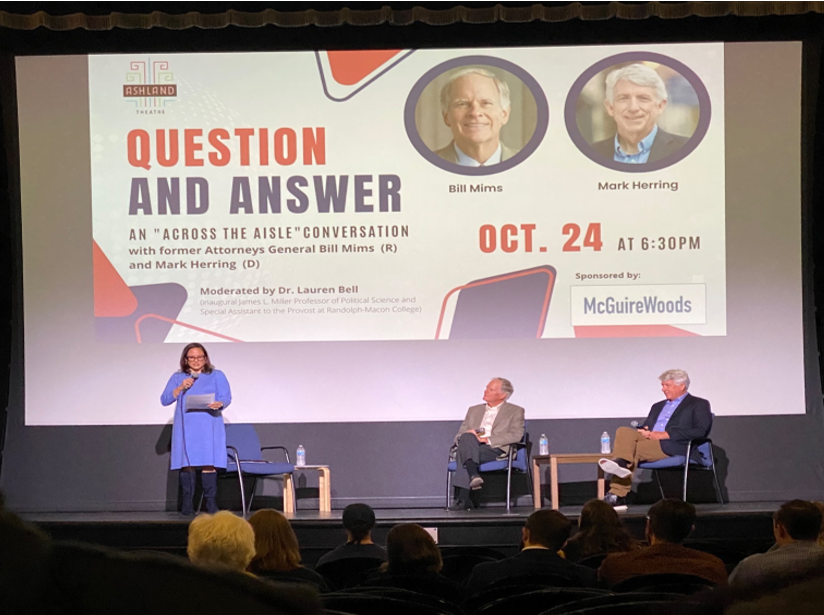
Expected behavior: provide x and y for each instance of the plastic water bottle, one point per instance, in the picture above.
(605, 447)
(300, 456)
(543, 445)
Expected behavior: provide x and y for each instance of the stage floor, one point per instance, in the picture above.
(745, 526)
(393, 516)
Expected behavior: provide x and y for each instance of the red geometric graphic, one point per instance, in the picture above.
(112, 297)
(349, 67)
(139, 336)
(633, 331)
(527, 273)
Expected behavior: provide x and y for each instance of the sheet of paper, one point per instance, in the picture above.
(199, 402)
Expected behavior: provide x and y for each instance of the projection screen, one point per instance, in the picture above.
(370, 235)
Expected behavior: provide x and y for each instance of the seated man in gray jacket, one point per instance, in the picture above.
(485, 435)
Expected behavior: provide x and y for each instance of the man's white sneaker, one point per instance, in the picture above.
(611, 467)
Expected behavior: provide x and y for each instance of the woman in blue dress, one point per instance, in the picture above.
(198, 436)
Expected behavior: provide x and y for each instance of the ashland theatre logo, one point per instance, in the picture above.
(150, 86)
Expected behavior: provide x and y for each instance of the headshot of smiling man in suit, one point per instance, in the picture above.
(475, 106)
(636, 97)
(473, 117)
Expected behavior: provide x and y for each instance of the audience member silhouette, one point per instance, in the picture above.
(543, 535)
(600, 531)
(414, 563)
(820, 507)
(277, 554)
(669, 522)
(222, 539)
(43, 577)
(796, 527)
(358, 521)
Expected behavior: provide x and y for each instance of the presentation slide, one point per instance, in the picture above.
(241, 211)
(408, 224)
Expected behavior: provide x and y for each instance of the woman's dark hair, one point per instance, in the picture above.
(184, 362)
(600, 530)
(411, 550)
(358, 519)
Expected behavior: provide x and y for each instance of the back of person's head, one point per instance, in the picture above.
(92, 580)
(222, 539)
(800, 519)
(600, 529)
(410, 549)
(547, 528)
(276, 546)
(820, 507)
(671, 520)
(25, 552)
(358, 519)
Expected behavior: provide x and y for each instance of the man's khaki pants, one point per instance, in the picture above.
(632, 446)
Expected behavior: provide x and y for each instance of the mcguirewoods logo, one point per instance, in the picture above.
(150, 86)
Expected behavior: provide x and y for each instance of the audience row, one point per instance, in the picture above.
(258, 563)
(272, 550)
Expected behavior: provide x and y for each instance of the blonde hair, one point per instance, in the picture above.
(221, 539)
(276, 546)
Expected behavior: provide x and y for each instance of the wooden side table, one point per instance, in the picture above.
(324, 489)
(537, 462)
(554, 459)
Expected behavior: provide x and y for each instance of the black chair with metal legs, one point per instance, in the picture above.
(517, 459)
(705, 461)
(246, 459)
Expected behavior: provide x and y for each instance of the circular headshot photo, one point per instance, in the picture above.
(637, 112)
(476, 115)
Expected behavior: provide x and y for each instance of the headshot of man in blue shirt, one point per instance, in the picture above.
(636, 96)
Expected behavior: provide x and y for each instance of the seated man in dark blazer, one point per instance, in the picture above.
(544, 534)
(670, 426)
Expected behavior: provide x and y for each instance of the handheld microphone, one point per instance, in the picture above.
(193, 376)
(634, 424)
